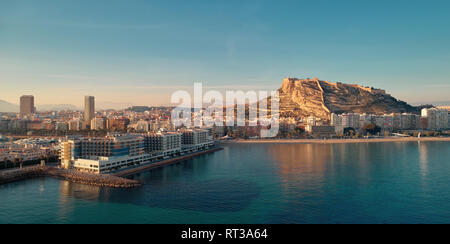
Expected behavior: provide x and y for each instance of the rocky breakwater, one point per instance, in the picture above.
(69, 175)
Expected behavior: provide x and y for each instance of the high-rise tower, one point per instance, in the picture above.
(89, 109)
(27, 105)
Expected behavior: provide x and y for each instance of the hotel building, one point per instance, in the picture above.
(119, 151)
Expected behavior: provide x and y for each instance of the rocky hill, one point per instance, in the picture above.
(314, 97)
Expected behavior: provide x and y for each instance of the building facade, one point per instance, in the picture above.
(89, 110)
(27, 105)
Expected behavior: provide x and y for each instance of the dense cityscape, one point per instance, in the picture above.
(110, 140)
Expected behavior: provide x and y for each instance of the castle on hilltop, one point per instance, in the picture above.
(337, 84)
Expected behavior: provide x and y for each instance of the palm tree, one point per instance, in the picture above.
(21, 162)
(40, 159)
(16, 160)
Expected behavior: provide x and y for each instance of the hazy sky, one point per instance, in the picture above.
(139, 52)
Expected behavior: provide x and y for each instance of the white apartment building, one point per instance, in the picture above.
(437, 119)
(351, 120)
(104, 165)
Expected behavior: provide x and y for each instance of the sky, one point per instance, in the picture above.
(139, 52)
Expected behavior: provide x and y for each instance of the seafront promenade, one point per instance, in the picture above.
(336, 141)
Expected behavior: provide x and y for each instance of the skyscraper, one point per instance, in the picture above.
(27, 105)
(89, 110)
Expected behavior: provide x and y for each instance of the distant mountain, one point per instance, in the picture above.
(56, 107)
(7, 107)
(314, 97)
(105, 105)
(436, 103)
(14, 108)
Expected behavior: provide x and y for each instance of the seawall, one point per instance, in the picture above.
(143, 168)
(69, 175)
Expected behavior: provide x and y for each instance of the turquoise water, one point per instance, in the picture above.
(404, 182)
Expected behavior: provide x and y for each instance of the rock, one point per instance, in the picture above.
(314, 97)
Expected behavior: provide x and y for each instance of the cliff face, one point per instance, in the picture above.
(313, 97)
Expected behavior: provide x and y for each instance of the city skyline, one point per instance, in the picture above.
(143, 54)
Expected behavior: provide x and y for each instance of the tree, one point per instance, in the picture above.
(21, 162)
(5, 162)
(15, 162)
(349, 131)
(372, 129)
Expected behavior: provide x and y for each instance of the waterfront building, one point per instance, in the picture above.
(165, 144)
(351, 120)
(219, 131)
(437, 119)
(388, 122)
(68, 150)
(409, 121)
(321, 130)
(105, 165)
(396, 121)
(89, 110)
(364, 119)
(336, 121)
(196, 139)
(442, 119)
(377, 120)
(116, 151)
(27, 105)
(109, 146)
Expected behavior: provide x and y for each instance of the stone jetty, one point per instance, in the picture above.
(69, 175)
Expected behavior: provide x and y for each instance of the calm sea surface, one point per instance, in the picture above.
(405, 182)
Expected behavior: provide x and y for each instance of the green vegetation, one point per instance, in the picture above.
(371, 129)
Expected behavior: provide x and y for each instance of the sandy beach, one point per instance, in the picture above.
(329, 141)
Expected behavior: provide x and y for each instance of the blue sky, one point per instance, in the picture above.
(139, 52)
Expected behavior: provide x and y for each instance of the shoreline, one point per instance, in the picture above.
(336, 141)
(115, 180)
(167, 162)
